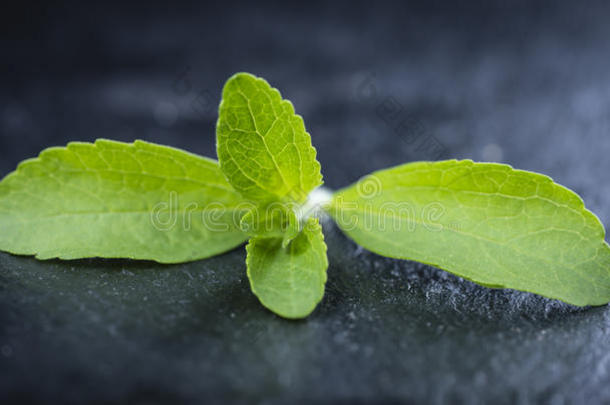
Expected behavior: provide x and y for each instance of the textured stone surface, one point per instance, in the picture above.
(527, 85)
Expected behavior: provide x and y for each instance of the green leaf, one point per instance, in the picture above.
(262, 144)
(272, 220)
(485, 222)
(118, 200)
(289, 280)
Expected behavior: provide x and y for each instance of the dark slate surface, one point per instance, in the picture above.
(526, 84)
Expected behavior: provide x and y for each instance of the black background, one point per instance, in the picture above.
(525, 83)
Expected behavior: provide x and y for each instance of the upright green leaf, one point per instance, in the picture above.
(262, 144)
(118, 200)
(289, 280)
(486, 222)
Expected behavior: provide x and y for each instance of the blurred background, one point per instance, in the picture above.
(378, 84)
(523, 82)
